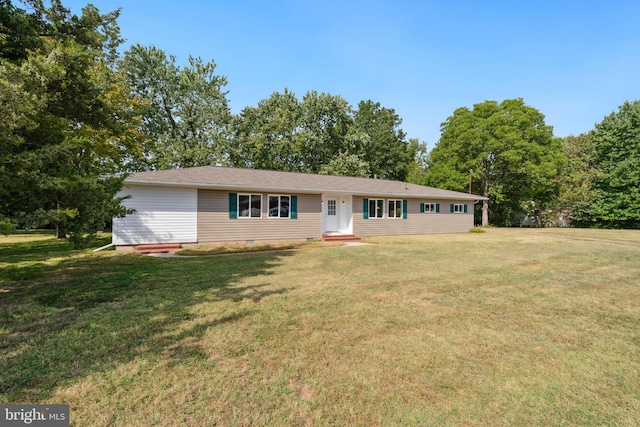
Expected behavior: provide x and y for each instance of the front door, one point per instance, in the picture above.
(336, 213)
(332, 216)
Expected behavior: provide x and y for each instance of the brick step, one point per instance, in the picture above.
(340, 238)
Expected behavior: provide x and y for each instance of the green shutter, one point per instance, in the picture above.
(437, 207)
(451, 208)
(365, 208)
(404, 209)
(465, 208)
(233, 205)
(421, 207)
(294, 207)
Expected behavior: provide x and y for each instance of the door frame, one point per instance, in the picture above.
(344, 210)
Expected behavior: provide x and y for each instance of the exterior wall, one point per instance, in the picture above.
(163, 215)
(416, 222)
(214, 224)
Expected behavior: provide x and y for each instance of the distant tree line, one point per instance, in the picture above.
(75, 116)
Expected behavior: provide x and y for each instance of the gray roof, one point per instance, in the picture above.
(224, 178)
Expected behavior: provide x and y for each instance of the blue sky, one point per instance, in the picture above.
(575, 61)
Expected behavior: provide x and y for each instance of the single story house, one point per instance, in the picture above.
(217, 204)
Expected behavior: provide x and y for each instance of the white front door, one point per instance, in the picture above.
(332, 215)
(336, 213)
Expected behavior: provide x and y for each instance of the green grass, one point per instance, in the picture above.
(509, 327)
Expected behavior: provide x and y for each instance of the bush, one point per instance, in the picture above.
(477, 230)
(7, 227)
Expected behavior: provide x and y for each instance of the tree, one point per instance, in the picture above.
(386, 151)
(284, 133)
(512, 152)
(186, 112)
(418, 167)
(67, 117)
(577, 176)
(268, 136)
(616, 185)
(346, 165)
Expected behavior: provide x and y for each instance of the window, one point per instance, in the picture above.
(376, 208)
(395, 209)
(458, 208)
(430, 207)
(331, 207)
(279, 206)
(249, 206)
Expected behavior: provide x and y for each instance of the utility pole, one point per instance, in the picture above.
(470, 179)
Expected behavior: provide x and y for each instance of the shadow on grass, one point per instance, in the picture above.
(91, 314)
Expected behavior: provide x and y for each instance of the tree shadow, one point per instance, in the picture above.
(85, 315)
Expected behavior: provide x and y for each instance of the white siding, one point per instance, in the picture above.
(163, 215)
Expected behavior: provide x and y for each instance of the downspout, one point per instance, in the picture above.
(104, 247)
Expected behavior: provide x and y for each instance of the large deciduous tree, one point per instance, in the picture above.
(615, 201)
(284, 133)
(321, 134)
(386, 150)
(577, 176)
(66, 117)
(185, 109)
(512, 152)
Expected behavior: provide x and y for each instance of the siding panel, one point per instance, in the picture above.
(163, 215)
(214, 224)
(416, 222)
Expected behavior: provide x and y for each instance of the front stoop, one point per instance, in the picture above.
(340, 238)
(158, 248)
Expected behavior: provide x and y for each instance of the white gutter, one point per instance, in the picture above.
(297, 190)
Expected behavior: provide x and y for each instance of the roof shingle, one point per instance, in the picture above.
(225, 178)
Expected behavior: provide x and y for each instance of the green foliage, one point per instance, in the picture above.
(579, 171)
(186, 113)
(477, 230)
(614, 201)
(346, 165)
(512, 152)
(7, 227)
(283, 133)
(67, 116)
(321, 134)
(386, 150)
(418, 168)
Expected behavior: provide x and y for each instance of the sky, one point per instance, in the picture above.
(574, 61)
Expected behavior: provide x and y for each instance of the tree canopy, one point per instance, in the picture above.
(511, 151)
(321, 133)
(66, 117)
(185, 111)
(615, 185)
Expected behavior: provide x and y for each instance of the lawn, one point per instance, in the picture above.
(509, 327)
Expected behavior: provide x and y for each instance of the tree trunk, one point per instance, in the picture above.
(485, 204)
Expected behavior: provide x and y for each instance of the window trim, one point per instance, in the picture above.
(279, 196)
(430, 205)
(375, 210)
(396, 203)
(250, 200)
(458, 208)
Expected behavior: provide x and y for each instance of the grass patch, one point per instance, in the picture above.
(239, 248)
(510, 327)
